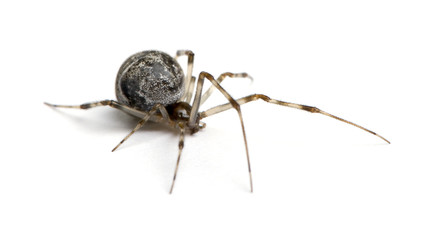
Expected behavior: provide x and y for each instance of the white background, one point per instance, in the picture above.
(315, 177)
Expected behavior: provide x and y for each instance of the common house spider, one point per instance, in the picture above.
(151, 85)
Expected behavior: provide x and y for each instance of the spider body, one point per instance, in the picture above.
(148, 78)
(151, 85)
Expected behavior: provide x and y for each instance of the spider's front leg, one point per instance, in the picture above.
(193, 121)
(265, 98)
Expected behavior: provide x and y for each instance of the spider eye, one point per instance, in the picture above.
(182, 113)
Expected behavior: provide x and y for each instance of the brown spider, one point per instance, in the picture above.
(151, 85)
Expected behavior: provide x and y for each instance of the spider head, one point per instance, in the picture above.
(181, 112)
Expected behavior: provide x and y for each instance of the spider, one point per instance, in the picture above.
(151, 85)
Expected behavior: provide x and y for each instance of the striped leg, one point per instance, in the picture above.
(145, 116)
(190, 81)
(255, 97)
(110, 103)
(180, 145)
(210, 90)
(233, 104)
(141, 123)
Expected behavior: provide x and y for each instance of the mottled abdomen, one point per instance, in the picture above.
(147, 78)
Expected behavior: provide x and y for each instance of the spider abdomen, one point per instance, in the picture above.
(148, 78)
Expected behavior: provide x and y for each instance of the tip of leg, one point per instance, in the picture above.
(172, 186)
(48, 104)
(115, 147)
(250, 181)
(383, 138)
(386, 140)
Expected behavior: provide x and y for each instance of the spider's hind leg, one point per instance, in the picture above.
(110, 103)
(145, 116)
(189, 80)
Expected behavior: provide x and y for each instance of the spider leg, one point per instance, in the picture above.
(188, 95)
(190, 81)
(110, 103)
(255, 97)
(210, 90)
(141, 123)
(180, 146)
(233, 103)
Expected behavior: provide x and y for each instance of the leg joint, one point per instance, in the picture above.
(310, 109)
(262, 97)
